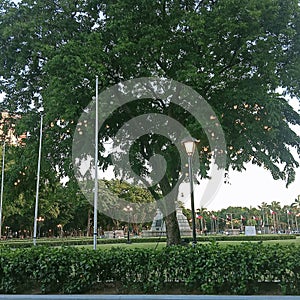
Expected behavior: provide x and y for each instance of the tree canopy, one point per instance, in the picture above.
(235, 53)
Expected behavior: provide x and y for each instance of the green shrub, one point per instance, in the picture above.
(245, 268)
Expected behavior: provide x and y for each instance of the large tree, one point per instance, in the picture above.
(235, 53)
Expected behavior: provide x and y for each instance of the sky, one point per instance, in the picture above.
(247, 189)
(250, 187)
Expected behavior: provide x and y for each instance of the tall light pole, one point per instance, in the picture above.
(37, 184)
(231, 220)
(190, 146)
(2, 186)
(96, 172)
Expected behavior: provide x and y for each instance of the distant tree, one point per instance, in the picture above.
(296, 203)
(296, 207)
(130, 193)
(264, 211)
(275, 211)
(202, 216)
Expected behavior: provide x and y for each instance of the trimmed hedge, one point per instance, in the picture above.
(17, 243)
(246, 268)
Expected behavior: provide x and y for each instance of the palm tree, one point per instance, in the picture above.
(201, 212)
(296, 205)
(288, 223)
(213, 221)
(275, 210)
(264, 207)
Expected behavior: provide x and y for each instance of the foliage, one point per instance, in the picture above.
(57, 207)
(205, 269)
(235, 53)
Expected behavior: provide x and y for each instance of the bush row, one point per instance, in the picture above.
(246, 268)
(89, 240)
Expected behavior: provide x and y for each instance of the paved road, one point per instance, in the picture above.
(143, 297)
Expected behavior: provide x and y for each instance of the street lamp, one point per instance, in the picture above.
(128, 208)
(190, 147)
(39, 221)
(7, 229)
(95, 234)
(60, 227)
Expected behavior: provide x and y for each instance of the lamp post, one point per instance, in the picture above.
(7, 229)
(36, 207)
(95, 233)
(2, 184)
(128, 208)
(60, 227)
(190, 146)
(231, 220)
(39, 221)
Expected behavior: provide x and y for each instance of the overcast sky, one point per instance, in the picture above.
(247, 188)
(250, 187)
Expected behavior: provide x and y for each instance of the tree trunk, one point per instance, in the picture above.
(173, 233)
(169, 212)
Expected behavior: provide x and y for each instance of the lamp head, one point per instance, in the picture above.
(190, 145)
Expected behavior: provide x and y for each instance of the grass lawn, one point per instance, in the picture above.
(161, 245)
(124, 245)
(281, 242)
(291, 241)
